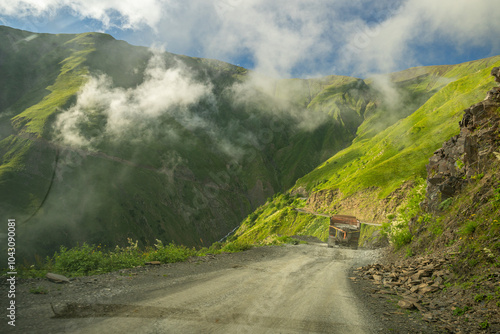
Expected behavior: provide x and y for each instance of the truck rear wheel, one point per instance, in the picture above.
(331, 242)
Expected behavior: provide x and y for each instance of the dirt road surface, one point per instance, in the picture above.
(291, 289)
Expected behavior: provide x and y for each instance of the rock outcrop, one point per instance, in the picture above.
(463, 158)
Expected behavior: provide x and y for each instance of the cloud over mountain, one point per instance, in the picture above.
(114, 111)
(290, 37)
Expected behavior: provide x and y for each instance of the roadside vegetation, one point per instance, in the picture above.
(397, 228)
(86, 259)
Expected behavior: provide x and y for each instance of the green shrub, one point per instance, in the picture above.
(216, 246)
(398, 231)
(386, 229)
(170, 253)
(235, 246)
(469, 227)
(80, 259)
(401, 238)
(39, 290)
(477, 176)
(288, 240)
(496, 198)
(460, 311)
(436, 227)
(444, 205)
(91, 259)
(479, 298)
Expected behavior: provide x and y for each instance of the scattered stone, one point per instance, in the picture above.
(153, 263)
(406, 304)
(428, 289)
(57, 278)
(495, 72)
(422, 294)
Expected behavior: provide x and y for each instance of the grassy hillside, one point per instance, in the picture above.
(377, 162)
(373, 177)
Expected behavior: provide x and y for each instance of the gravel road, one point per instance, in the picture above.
(291, 289)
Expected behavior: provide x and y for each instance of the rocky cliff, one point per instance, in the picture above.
(464, 158)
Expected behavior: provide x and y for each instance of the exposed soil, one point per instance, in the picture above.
(306, 288)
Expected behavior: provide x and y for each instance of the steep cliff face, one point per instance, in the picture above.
(359, 204)
(464, 158)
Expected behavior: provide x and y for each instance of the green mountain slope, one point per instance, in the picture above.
(372, 177)
(101, 140)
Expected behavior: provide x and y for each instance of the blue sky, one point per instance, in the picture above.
(283, 38)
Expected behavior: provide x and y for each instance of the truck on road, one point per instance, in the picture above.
(344, 231)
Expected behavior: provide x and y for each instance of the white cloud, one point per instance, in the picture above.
(410, 32)
(277, 34)
(164, 91)
(127, 14)
(295, 37)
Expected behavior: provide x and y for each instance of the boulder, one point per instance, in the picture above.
(153, 263)
(495, 72)
(57, 278)
(406, 304)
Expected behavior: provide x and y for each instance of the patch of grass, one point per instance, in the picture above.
(469, 228)
(479, 298)
(72, 76)
(39, 290)
(496, 198)
(436, 227)
(461, 311)
(236, 246)
(444, 205)
(484, 324)
(451, 243)
(477, 176)
(398, 231)
(289, 240)
(279, 217)
(170, 253)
